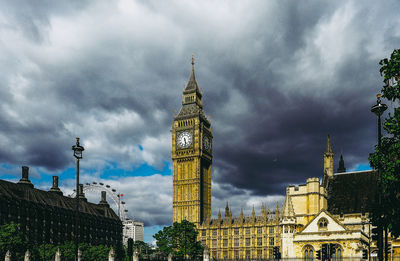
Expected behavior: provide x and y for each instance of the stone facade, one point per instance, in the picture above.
(49, 217)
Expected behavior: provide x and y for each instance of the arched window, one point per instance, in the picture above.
(308, 253)
(337, 256)
(322, 224)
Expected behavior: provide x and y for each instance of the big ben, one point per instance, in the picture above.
(191, 157)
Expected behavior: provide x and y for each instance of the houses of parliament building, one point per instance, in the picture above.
(334, 210)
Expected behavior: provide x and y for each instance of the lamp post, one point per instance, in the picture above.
(78, 149)
(378, 109)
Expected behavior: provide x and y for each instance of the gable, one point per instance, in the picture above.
(332, 224)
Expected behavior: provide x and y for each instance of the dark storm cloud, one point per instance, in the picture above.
(277, 78)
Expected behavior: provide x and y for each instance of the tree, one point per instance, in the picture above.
(388, 159)
(180, 239)
(11, 238)
(143, 248)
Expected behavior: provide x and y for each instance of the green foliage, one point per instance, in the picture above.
(180, 239)
(389, 157)
(11, 238)
(143, 248)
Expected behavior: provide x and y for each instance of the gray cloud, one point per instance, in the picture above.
(276, 78)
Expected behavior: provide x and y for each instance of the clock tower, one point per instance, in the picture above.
(191, 157)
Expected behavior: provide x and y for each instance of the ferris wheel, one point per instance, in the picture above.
(112, 193)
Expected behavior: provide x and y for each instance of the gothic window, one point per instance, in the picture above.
(214, 243)
(308, 253)
(259, 241)
(236, 242)
(259, 254)
(225, 242)
(247, 241)
(322, 224)
(247, 231)
(225, 253)
(203, 233)
(259, 230)
(236, 254)
(214, 233)
(271, 230)
(236, 231)
(225, 232)
(247, 254)
(271, 241)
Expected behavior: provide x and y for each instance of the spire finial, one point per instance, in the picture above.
(192, 60)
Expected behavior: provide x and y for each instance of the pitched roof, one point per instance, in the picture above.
(22, 192)
(351, 192)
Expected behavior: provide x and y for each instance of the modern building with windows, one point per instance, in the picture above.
(133, 229)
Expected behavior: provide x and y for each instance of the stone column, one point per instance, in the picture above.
(111, 255)
(8, 256)
(170, 256)
(57, 256)
(79, 255)
(136, 256)
(27, 256)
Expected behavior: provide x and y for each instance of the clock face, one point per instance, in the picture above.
(206, 142)
(184, 140)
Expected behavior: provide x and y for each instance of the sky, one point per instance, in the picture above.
(277, 77)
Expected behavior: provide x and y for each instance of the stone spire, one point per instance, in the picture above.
(219, 215)
(227, 210)
(328, 145)
(253, 213)
(241, 216)
(341, 165)
(328, 162)
(288, 210)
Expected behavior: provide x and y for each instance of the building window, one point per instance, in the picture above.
(259, 254)
(214, 233)
(308, 253)
(247, 254)
(337, 256)
(214, 243)
(203, 233)
(225, 242)
(247, 231)
(259, 230)
(225, 232)
(236, 242)
(322, 224)
(236, 254)
(271, 241)
(259, 241)
(271, 230)
(236, 231)
(225, 254)
(247, 241)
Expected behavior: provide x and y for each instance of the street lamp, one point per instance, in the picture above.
(78, 149)
(379, 108)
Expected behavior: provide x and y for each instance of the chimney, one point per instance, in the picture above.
(81, 195)
(103, 201)
(55, 187)
(25, 177)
